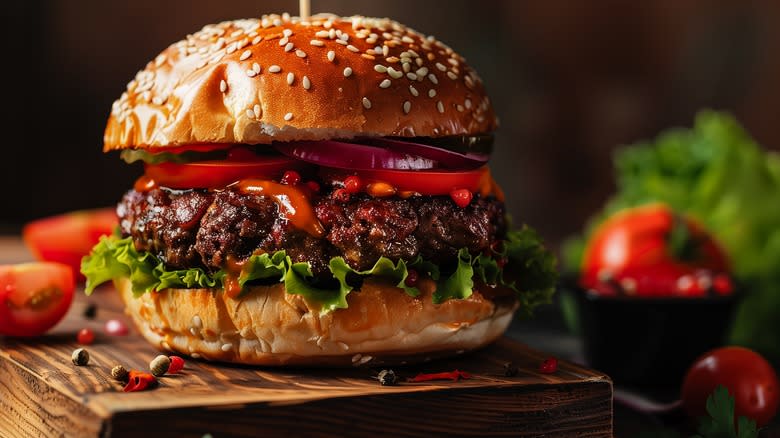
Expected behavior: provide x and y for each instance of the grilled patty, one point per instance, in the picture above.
(199, 228)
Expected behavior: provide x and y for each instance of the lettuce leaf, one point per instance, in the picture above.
(114, 257)
(716, 173)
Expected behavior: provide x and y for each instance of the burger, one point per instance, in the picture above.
(315, 192)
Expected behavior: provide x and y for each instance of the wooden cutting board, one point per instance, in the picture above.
(42, 394)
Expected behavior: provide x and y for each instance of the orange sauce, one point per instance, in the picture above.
(144, 184)
(233, 270)
(293, 203)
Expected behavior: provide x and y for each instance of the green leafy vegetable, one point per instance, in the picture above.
(717, 174)
(132, 155)
(115, 258)
(720, 423)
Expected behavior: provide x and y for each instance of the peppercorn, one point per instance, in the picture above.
(119, 373)
(159, 366)
(387, 378)
(80, 357)
(510, 369)
(90, 312)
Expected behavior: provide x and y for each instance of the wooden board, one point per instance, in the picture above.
(43, 394)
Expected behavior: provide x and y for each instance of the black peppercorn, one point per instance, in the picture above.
(510, 369)
(90, 312)
(387, 378)
(80, 357)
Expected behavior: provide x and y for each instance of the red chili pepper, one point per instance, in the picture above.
(139, 381)
(447, 375)
(177, 364)
(461, 197)
(549, 366)
(85, 336)
(353, 184)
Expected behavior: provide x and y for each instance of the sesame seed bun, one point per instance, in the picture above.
(280, 78)
(268, 326)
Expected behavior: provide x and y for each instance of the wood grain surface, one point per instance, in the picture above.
(43, 394)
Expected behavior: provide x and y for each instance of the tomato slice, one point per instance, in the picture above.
(425, 182)
(68, 237)
(218, 174)
(34, 297)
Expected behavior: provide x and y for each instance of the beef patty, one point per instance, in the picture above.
(199, 228)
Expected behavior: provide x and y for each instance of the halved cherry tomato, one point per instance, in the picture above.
(33, 297)
(218, 174)
(425, 182)
(68, 237)
(750, 379)
(649, 241)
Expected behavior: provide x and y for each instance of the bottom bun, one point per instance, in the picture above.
(267, 326)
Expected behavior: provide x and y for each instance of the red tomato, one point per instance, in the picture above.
(218, 174)
(426, 182)
(635, 244)
(68, 237)
(33, 297)
(750, 379)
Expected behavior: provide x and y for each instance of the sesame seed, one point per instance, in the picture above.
(367, 56)
(453, 61)
(352, 48)
(379, 68)
(283, 41)
(332, 33)
(459, 108)
(257, 40)
(331, 55)
(288, 116)
(366, 103)
(431, 93)
(413, 90)
(231, 48)
(157, 100)
(452, 75)
(243, 43)
(289, 47)
(385, 50)
(411, 76)
(300, 53)
(287, 32)
(322, 34)
(256, 67)
(306, 83)
(290, 78)
(467, 103)
(250, 114)
(433, 78)
(385, 84)
(422, 71)
(222, 86)
(407, 107)
(194, 331)
(395, 74)
(347, 72)
(440, 107)
(407, 67)
(407, 40)
(344, 36)
(441, 66)
(236, 33)
(201, 64)
(227, 347)
(258, 111)
(251, 73)
(244, 56)
(274, 69)
(342, 42)
(316, 43)
(391, 59)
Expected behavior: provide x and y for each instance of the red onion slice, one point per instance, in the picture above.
(447, 158)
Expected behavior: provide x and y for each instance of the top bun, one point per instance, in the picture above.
(282, 78)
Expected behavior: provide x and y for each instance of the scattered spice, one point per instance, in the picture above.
(80, 357)
(447, 375)
(177, 364)
(159, 365)
(119, 373)
(90, 312)
(387, 378)
(510, 369)
(85, 336)
(139, 381)
(549, 366)
(115, 327)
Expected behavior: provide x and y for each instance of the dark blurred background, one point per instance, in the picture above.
(570, 80)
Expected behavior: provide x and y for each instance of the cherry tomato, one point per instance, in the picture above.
(750, 379)
(34, 297)
(218, 174)
(637, 244)
(68, 237)
(426, 182)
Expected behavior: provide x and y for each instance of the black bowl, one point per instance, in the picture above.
(646, 341)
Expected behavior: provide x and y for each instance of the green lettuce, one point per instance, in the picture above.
(525, 256)
(716, 173)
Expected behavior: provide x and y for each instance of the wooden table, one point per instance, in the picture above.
(43, 394)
